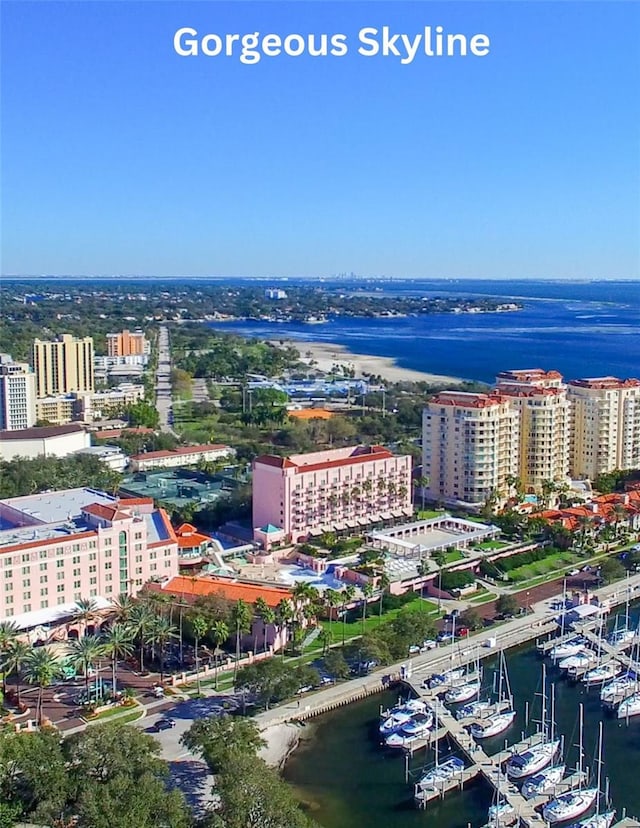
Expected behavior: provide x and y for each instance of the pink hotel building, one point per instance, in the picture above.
(59, 547)
(347, 488)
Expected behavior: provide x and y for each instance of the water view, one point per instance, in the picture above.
(349, 781)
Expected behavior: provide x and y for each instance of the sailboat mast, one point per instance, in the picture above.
(580, 739)
(552, 718)
(599, 777)
(544, 701)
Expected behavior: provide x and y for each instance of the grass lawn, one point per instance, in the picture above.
(119, 714)
(454, 555)
(491, 544)
(428, 514)
(484, 598)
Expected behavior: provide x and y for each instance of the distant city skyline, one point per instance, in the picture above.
(121, 158)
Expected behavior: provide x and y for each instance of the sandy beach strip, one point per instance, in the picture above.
(327, 354)
(282, 740)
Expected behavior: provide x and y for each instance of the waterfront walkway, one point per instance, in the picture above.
(537, 624)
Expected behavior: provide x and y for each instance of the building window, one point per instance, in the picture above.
(26, 582)
(26, 558)
(92, 556)
(108, 577)
(43, 554)
(59, 564)
(8, 587)
(43, 567)
(93, 580)
(93, 568)
(26, 570)
(60, 576)
(43, 579)
(76, 559)
(44, 591)
(60, 588)
(77, 584)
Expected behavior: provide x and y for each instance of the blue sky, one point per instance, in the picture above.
(121, 157)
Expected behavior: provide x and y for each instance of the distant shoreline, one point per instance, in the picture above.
(327, 354)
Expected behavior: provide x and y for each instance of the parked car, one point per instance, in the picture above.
(444, 636)
(573, 572)
(164, 724)
(428, 644)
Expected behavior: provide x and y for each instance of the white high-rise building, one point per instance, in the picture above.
(17, 395)
(470, 446)
(605, 425)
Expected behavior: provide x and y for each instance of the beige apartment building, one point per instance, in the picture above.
(470, 446)
(63, 365)
(127, 343)
(605, 425)
(540, 397)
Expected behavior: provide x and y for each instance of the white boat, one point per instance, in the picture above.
(473, 710)
(492, 725)
(601, 673)
(629, 707)
(569, 805)
(419, 727)
(544, 782)
(573, 804)
(575, 662)
(532, 760)
(400, 715)
(437, 777)
(620, 686)
(444, 679)
(621, 638)
(462, 692)
(596, 821)
(567, 648)
(495, 723)
(502, 814)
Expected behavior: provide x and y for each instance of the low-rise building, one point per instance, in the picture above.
(111, 456)
(189, 589)
(180, 456)
(49, 441)
(87, 406)
(340, 489)
(59, 547)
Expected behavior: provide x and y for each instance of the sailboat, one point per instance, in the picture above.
(539, 756)
(502, 812)
(438, 776)
(602, 673)
(495, 723)
(597, 820)
(400, 715)
(623, 636)
(573, 646)
(573, 803)
(420, 726)
(544, 782)
(629, 707)
(467, 689)
(472, 710)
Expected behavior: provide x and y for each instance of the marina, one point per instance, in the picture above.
(485, 764)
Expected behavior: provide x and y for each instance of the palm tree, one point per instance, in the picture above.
(331, 600)
(326, 637)
(118, 644)
(219, 632)
(162, 631)
(268, 620)
(348, 594)
(15, 661)
(41, 668)
(260, 607)
(8, 636)
(284, 616)
(367, 591)
(84, 653)
(140, 623)
(423, 570)
(120, 610)
(384, 585)
(200, 626)
(85, 610)
(304, 595)
(241, 617)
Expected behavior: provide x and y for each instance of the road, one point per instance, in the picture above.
(163, 381)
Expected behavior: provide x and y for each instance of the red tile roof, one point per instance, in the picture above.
(232, 591)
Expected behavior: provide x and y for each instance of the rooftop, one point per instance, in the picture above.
(224, 588)
(50, 507)
(41, 432)
(180, 450)
(605, 383)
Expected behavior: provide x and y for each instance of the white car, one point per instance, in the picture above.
(573, 572)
